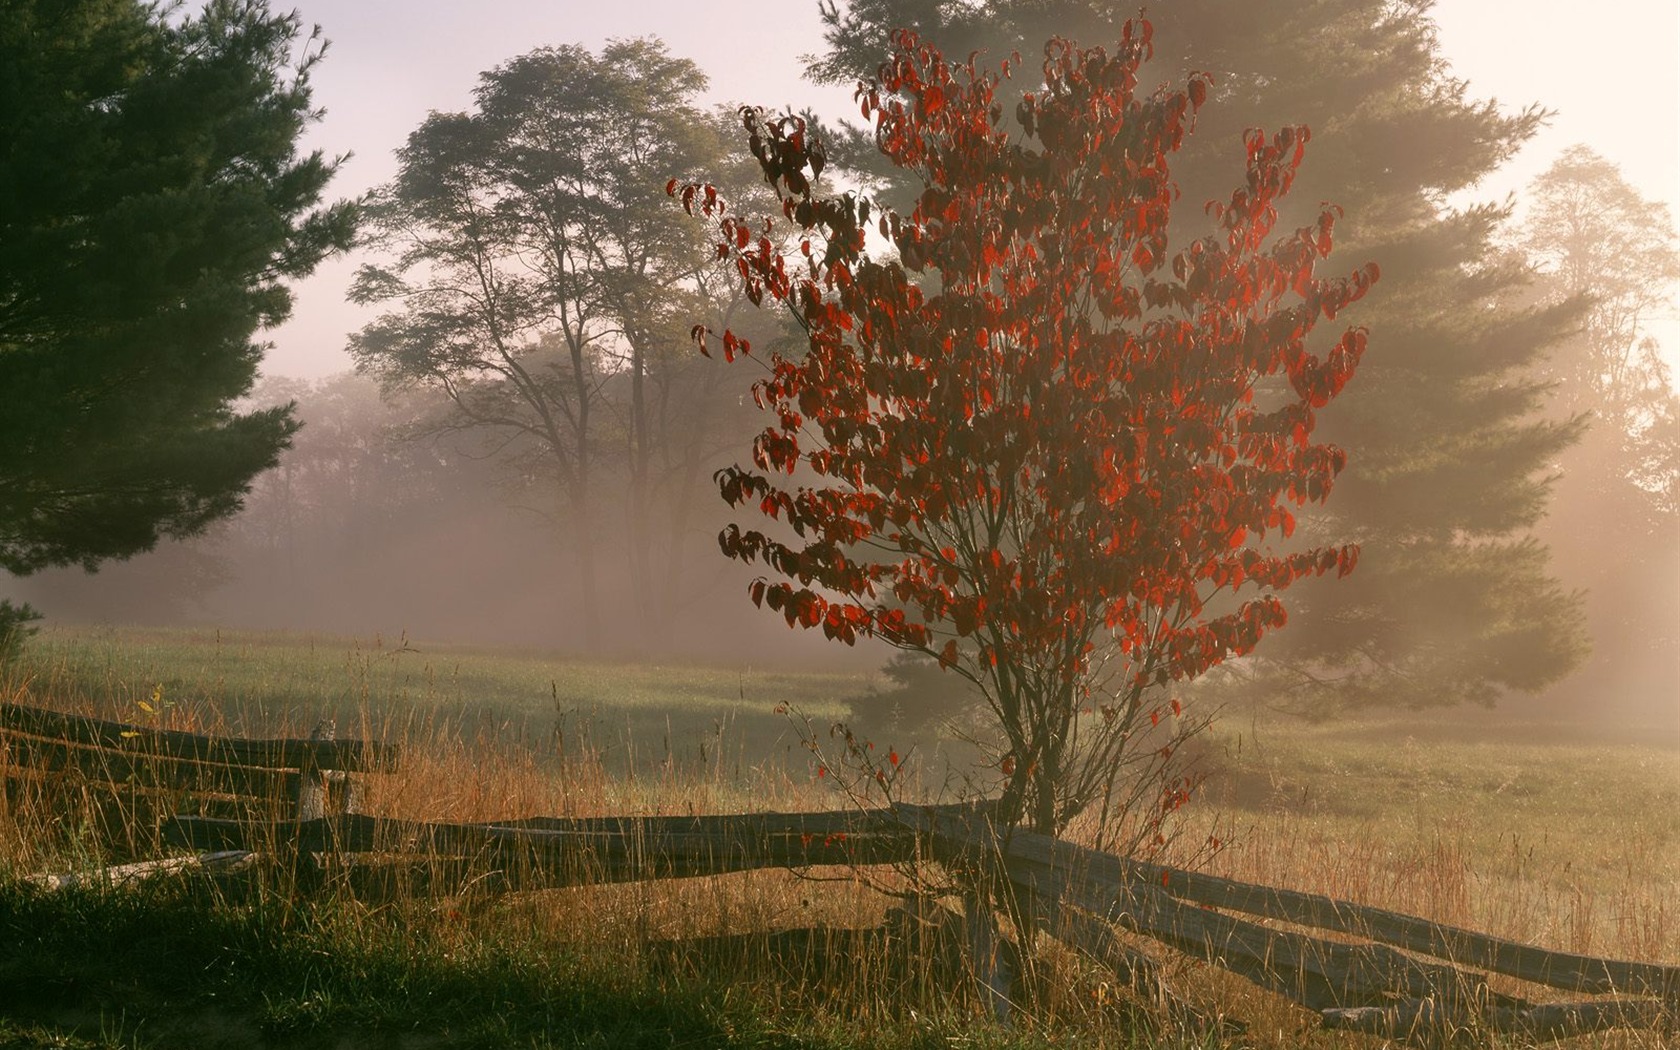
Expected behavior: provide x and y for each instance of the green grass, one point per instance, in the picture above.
(292, 977)
(1597, 805)
(249, 680)
(164, 966)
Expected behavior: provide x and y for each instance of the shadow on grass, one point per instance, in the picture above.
(166, 966)
(161, 967)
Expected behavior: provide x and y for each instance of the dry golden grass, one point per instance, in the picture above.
(1571, 846)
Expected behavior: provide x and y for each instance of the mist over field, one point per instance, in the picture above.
(384, 520)
(360, 532)
(363, 534)
(1172, 540)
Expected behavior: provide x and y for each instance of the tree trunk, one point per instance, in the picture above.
(583, 543)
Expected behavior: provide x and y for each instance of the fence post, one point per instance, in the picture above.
(311, 800)
(994, 971)
(322, 792)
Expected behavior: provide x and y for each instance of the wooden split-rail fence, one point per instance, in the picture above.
(237, 803)
(122, 785)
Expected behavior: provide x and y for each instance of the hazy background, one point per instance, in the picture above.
(1611, 71)
(357, 535)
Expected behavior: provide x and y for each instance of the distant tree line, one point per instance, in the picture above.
(538, 287)
(381, 518)
(1615, 506)
(544, 424)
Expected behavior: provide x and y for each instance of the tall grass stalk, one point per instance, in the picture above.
(1567, 845)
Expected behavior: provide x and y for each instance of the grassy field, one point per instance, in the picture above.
(633, 717)
(1575, 845)
(1536, 833)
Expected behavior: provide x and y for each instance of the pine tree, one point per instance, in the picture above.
(153, 207)
(1449, 452)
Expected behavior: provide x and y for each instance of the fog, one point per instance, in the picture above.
(376, 523)
(363, 531)
(394, 60)
(1606, 541)
(367, 530)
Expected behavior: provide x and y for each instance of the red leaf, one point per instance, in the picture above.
(1198, 90)
(954, 451)
(948, 655)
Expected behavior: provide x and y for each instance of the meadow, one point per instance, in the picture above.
(1548, 834)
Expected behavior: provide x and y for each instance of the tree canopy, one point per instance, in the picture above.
(153, 206)
(1036, 444)
(536, 280)
(1451, 450)
(1598, 240)
(1617, 515)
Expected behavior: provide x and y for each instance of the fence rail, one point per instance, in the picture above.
(1371, 986)
(349, 755)
(1391, 974)
(1554, 969)
(558, 851)
(147, 774)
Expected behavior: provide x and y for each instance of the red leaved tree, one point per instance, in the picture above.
(1031, 441)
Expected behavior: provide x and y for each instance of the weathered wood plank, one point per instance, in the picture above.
(1327, 976)
(1454, 945)
(831, 822)
(1419, 1021)
(1314, 972)
(1548, 1021)
(1317, 973)
(272, 754)
(837, 825)
(145, 771)
(651, 847)
(223, 863)
(1554, 969)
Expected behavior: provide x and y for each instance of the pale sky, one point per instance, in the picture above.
(1610, 69)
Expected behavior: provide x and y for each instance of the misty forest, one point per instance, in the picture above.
(1111, 534)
